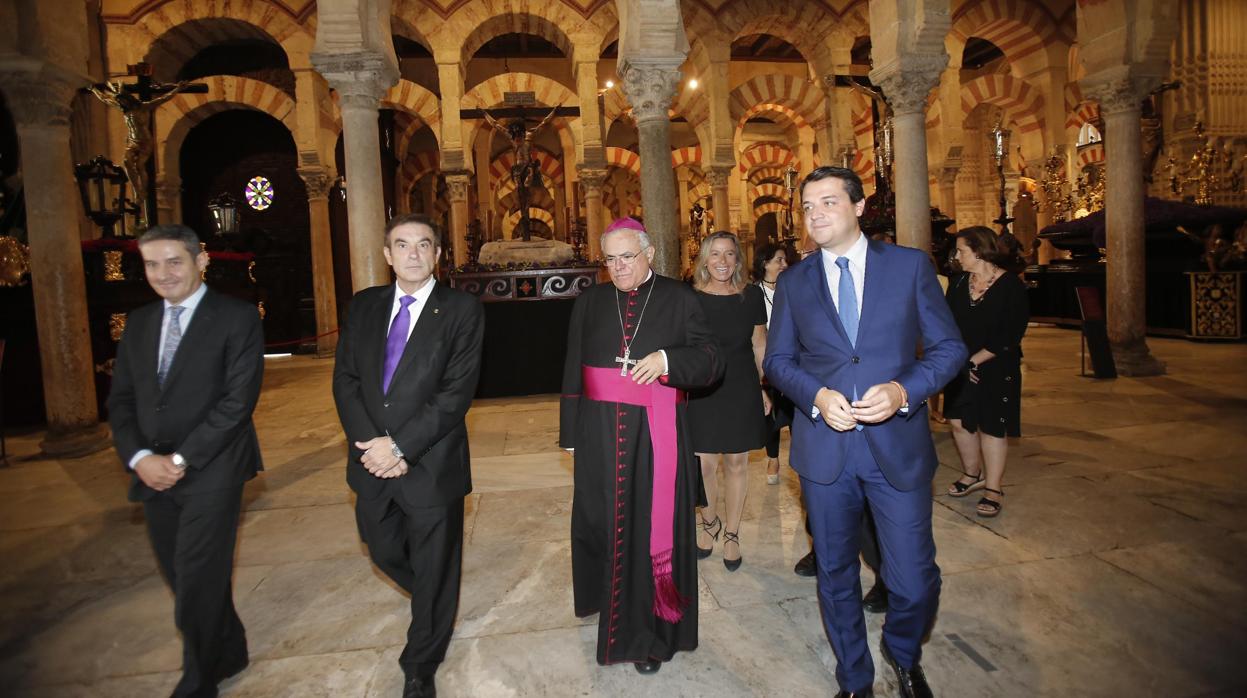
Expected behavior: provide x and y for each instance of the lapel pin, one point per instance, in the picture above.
(435, 311)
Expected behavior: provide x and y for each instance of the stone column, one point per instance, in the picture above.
(718, 178)
(650, 88)
(1123, 207)
(169, 200)
(40, 103)
(591, 182)
(457, 184)
(906, 90)
(560, 213)
(360, 80)
(590, 119)
(318, 183)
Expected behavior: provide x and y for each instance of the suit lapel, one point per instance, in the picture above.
(873, 286)
(200, 325)
(818, 277)
(147, 338)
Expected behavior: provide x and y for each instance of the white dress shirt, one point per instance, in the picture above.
(857, 266)
(422, 299)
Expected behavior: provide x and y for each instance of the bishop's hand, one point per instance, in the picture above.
(649, 369)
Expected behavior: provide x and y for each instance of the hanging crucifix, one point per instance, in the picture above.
(526, 172)
(137, 102)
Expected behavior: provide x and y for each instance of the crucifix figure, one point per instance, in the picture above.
(526, 172)
(137, 102)
(624, 362)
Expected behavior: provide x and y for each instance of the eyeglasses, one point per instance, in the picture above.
(627, 258)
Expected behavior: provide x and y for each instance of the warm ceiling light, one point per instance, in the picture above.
(610, 84)
(692, 83)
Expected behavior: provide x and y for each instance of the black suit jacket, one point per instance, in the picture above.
(429, 394)
(204, 409)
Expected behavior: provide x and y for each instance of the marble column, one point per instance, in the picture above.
(906, 91)
(360, 80)
(1123, 207)
(650, 88)
(457, 184)
(718, 178)
(318, 183)
(682, 201)
(591, 182)
(40, 106)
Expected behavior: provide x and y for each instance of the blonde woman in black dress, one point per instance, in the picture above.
(983, 403)
(728, 421)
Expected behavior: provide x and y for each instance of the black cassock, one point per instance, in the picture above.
(611, 567)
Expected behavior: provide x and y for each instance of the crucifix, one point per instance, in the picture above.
(138, 102)
(624, 362)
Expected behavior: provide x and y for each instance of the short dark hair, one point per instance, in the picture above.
(416, 218)
(175, 232)
(852, 183)
(766, 253)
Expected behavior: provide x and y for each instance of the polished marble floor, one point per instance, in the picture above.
(1118, 568)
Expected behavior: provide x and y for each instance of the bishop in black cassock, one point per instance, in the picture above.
(633, 545)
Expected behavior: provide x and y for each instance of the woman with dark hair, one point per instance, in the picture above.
(729, 420)
(983, 403)
(769, 262)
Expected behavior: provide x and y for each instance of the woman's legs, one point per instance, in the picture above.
(710, 479)
(995, 450)
(968, 448)
(735, 483)
(772, 458)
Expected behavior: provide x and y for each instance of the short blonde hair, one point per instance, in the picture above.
(701, 274)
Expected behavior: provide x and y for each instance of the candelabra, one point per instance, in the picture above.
(1204, 171)
(790, 184)
(1055, 196)
(999, 137)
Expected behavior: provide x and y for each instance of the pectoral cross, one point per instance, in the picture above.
(624, 361)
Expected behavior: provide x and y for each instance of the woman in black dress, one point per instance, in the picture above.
(729, 420)
(983, 403)
(768, 263)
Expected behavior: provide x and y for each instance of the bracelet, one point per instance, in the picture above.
(972, 366)
(904, 393)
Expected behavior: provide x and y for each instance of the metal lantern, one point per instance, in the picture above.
(103, 188)
(224, 210)
(1000, 143)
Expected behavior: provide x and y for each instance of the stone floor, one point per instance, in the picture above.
(1118, 568)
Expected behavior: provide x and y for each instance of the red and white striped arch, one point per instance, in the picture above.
(1021, 103)
(1017, 27)
(766, 153)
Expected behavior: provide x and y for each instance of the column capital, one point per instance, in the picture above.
(40, 96)
(360, 78)
(458, 183)
(317, 181)
(1116, 90)
(650, 87)
(907, 83)
(718, 176)
(591, 179)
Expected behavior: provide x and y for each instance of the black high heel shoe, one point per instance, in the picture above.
(717, 525)
(731, 537)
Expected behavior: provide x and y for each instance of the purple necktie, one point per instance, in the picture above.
(397, 340)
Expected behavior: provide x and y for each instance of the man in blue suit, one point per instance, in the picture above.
(843, 344)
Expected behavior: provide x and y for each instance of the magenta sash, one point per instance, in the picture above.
(606, 385)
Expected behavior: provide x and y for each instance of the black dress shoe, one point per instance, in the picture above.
(806, 566)
(876, 600)
(648, 667)
(419, 687)
(912, 682)
(868, 693)
(225, 671)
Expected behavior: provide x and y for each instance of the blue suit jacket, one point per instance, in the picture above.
(903, 310)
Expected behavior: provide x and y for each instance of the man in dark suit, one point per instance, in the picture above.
(186, 380)
(407, 364)
(851, 368)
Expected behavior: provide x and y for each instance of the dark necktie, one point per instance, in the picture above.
(173, 337)
(396, 342)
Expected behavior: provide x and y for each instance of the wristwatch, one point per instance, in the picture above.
(178, 461)
(398, 452)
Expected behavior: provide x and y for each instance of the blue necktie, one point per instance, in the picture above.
(847, 307)
(173, 337)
